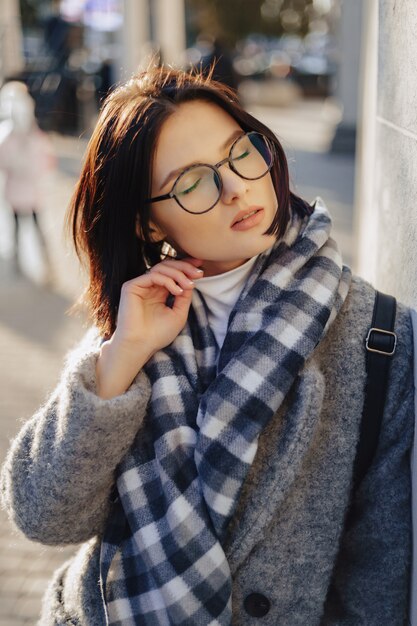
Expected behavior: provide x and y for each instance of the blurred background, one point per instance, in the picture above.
(326, 75)
(294, 63)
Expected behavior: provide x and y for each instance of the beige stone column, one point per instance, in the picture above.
(134, 37)
(349, 44)
(365, 214)
(11, 47)
(170, 30)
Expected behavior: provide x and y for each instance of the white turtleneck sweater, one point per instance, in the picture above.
(220, 294)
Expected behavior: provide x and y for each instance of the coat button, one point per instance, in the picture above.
(256, 605)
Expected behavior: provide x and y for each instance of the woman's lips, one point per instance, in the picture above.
(249, 222)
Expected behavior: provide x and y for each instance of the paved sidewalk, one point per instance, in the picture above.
(33, 336)
(35, 331)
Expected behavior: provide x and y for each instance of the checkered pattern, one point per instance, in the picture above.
(162, 557)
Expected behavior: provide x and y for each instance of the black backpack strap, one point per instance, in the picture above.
(380, 344)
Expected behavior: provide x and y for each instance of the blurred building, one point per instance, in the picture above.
(70, 53)
(76, 50)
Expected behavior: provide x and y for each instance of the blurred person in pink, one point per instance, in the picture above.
(26, 155)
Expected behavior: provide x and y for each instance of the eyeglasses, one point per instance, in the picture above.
(199, 187)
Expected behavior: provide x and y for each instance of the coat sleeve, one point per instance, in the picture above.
(373, 566)
(58, 474)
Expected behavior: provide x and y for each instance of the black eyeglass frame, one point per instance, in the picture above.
(215, 168)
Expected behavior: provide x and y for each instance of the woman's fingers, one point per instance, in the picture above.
(182, 303)
(161, 280)
(175, 276)
(179, 276)
(187, 267)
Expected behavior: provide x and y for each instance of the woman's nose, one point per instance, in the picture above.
(234, 186)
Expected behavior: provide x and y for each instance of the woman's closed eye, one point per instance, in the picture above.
(188, 190)
(242, 156)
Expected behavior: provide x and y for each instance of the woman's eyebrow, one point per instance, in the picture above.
(178, 171)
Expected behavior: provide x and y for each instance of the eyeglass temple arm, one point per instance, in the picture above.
(166, 196)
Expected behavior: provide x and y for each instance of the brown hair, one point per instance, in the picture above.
(108, 215)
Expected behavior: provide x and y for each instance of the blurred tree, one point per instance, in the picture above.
(29, 10)
(233, 19)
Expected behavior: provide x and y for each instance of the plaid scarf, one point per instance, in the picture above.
(162, 561)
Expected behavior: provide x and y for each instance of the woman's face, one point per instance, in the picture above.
(201, 132)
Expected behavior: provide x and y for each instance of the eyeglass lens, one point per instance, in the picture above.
(198, 188)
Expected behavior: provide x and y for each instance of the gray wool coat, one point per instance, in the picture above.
(287, 541)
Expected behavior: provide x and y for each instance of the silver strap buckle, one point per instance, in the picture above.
(384, 332)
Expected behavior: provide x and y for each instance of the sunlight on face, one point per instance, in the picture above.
(201, 132)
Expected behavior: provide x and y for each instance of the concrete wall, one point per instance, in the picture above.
(386, 193)
(386, 211)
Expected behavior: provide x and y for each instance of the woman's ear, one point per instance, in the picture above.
(156, 232)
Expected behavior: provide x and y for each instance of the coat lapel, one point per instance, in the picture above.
(282, 447)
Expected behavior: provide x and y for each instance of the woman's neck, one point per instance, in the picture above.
(213, 268)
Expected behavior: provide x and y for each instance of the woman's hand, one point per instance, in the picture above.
(144, 317)
(145, 324)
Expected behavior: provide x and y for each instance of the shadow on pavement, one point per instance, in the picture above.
(30, 310)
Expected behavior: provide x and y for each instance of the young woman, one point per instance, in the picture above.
(201, 442)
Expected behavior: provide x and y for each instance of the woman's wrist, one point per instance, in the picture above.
(118, 363)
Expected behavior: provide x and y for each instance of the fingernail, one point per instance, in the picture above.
(199, 271)
(191, 282)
